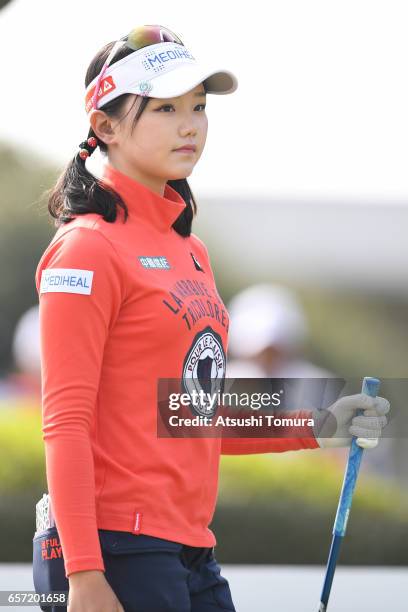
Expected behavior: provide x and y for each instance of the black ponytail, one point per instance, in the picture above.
(78, 192)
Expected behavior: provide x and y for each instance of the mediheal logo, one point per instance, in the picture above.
(66, 280)
(107, 85)
(157, 61)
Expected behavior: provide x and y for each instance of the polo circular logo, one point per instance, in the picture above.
(145, 87)
(204, 371)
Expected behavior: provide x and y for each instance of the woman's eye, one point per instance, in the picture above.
(167, 106)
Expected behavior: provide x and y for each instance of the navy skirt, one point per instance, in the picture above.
(146, 573)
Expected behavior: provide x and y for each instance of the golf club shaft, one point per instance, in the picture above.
(370, 387)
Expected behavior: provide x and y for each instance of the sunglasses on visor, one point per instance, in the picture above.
(138, 38)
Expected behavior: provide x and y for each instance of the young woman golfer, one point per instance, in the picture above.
(118, 289)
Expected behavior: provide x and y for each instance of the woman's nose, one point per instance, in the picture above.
(190, 124)
(188, 128)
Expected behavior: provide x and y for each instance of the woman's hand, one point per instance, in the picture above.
(89, 591)
(335, 426)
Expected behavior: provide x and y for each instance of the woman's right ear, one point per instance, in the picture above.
(102, 126)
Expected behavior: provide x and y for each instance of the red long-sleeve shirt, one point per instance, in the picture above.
(122, 304)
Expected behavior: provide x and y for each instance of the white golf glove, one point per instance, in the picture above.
(335, 425)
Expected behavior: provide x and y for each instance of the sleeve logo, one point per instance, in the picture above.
(66, 280)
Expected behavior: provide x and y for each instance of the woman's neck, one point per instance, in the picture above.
(154, 183)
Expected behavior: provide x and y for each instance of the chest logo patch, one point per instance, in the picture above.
(66, 280)
(158, 263)
(204, 370)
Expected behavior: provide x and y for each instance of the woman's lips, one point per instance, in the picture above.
(185, 150)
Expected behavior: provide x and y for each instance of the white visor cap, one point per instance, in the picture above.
(165, 70)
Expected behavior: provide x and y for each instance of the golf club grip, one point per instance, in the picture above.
(371, 387)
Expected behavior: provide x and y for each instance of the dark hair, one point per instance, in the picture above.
(78, 192)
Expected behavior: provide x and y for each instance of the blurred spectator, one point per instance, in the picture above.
(26, 381)
(267, 334)
(26, 343)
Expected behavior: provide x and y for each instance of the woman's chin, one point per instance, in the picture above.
(181, 174)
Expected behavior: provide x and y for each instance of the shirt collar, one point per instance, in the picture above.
(160, 211)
